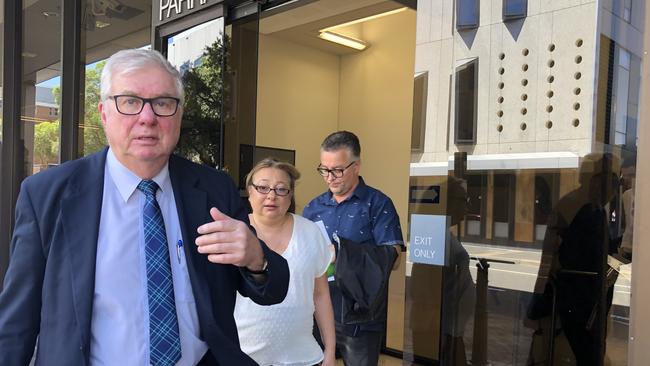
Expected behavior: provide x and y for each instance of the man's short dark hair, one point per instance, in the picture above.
(342, 140)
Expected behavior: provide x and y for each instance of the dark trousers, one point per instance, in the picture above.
(361, 350)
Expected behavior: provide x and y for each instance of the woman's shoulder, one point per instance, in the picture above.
(302, 222)
(306, 228)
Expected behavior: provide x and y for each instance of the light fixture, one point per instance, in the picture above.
(99, 24)
(343, 40)
(48, 14)
(361, 20)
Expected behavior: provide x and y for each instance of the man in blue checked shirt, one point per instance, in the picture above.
(353, 210)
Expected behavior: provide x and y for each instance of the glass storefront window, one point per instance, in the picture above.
(109, 27)
(41, 86)
(546, 193)
(198, 53)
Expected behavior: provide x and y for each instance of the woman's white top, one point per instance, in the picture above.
(281, 334)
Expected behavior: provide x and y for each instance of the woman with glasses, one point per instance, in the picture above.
(282, 334)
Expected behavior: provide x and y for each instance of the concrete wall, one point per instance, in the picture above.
(548, 33)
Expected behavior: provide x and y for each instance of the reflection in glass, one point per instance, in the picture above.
(103, 25)
(543, 172)
(41, 85)
(199, 54)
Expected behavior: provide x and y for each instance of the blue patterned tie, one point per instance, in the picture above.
(164, 341)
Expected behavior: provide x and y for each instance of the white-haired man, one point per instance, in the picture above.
(133, 256)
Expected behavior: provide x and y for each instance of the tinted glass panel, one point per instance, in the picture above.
(513, 9)
(467, 13)
(124, 25)
(466, 94)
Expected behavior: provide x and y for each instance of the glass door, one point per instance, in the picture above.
(521, 199)
(215, 50)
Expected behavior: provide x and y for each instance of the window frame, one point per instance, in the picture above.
(460, 68)
(506, 16)
(464, 4)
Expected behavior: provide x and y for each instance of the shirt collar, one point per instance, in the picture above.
(127, 182)
(360, 192)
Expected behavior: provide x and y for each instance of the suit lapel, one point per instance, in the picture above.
(80, 215)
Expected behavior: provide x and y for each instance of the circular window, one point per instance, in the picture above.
(576, 106)
(525, 52)
(499, 128)
(502, 56)
(576, 122)
(524, 67)
(549, 124)
(501, 85)
(579, 42)
(549, 108)
(524, 82)
(550, 78)
(501, 70)
(578, 59)
(551, 47)
(549, 94)
(576, 91)
(551, 63)
(523, 126)
(577, 75)
(524, 111)
(524, 97)
(500, 114)
(500, 99)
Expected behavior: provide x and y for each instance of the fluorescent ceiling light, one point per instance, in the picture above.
(343, 40)
(391, 12)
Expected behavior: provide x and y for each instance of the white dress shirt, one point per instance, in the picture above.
(120, 317)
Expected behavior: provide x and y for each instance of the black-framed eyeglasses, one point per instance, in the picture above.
(279, 191)
(131, 105)
(336, 172)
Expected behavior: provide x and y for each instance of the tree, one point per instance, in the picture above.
(46, 142)
(94, 137)
(204, 93)
(91, 125)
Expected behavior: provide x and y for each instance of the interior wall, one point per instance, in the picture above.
(376, 103)
(297, 105)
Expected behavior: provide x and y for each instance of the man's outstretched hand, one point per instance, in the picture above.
(229, 241)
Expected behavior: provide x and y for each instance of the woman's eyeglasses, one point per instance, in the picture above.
(280, 191)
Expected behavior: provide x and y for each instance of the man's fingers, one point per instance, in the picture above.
(218, 215)
(218, 248)
(214, 237)
(225, 258)
(216, 226)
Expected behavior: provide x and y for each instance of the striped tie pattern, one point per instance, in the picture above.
(164, 340)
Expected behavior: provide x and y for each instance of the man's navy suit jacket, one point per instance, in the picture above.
(49, 285)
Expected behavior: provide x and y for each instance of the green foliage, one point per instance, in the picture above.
(204, 88)
(93, 132)
(46, 143)
(93, 138)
